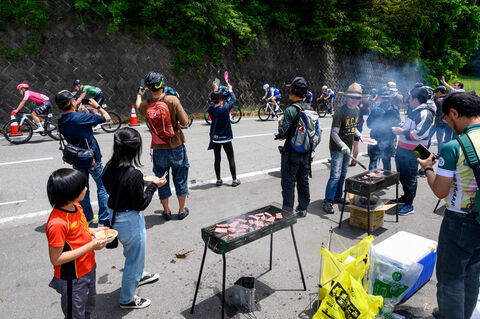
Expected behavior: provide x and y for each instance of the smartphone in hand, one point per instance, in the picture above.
(86, 101)
(422, 152)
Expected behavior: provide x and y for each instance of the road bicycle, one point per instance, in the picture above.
(235, 115)
(268, 111)
(110, 127)
(21, 131)
(321, 107)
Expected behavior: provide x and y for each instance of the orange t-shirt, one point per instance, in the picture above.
(70, 231)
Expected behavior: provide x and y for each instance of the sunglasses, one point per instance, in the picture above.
(354, 97)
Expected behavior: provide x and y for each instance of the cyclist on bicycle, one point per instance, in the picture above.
(309, 98)
(42, 101)
(93, 91)
(329, 96)
(275, 95)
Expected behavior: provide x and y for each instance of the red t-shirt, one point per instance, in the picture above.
(70, 231)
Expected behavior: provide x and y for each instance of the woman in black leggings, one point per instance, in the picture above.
(222, 100)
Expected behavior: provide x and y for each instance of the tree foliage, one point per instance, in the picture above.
(440, 33)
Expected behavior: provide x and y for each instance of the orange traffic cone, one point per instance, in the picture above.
(14, 128)
(133, 117)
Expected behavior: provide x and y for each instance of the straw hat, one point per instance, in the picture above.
(354, 90)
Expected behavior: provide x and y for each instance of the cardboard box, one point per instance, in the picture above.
(359, 215)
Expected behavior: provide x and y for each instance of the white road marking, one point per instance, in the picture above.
(266, 134)
(31, 215)
(14, 202)
(27, 161)
(191, 186)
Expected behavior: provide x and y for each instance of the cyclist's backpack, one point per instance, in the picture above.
(308, 132)
(472, 160)
(159, 121)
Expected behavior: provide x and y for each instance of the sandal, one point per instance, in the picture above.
(167, 216)
(184, 214)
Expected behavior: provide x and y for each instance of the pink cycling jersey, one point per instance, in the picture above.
(35, 97)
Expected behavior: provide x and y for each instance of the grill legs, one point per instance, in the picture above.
(199, 278)
(396, 198)
(298, 258)
(271, 249)
(343, 209)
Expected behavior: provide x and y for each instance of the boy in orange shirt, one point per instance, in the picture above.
(70, 244)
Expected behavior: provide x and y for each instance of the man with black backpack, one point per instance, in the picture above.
(164, 114)
(301, 133)
(456, 181)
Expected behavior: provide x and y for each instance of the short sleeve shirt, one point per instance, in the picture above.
(346, 120)
(35, 97)
(70, 231)
(91, 90)
(452, 163)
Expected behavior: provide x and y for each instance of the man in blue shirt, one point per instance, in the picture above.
(76, 128)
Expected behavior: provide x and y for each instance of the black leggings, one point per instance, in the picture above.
(217, 148)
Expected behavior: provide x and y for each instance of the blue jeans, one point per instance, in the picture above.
(132, 234)
(407, 166)
(177, 160)
(449, 134)
(295, 169)
(458, 266)
(382, 151)
(103, 212)
(338, 171)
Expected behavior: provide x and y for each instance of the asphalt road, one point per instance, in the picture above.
(25, 270)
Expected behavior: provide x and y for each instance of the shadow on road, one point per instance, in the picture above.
(154, 220)
(211, 308)
(41, 229)
(107, 305)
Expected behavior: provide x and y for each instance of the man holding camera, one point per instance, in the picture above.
(76, 128)
(458, 259)
(415, 130)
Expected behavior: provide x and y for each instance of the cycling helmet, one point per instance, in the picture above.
(266, 86)
(324, 87)
(154, 81)
(430, 92)
(22, 86)
(76, 82)
(374, 90)
(224, 91)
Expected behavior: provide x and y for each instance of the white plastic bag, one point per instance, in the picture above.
(391, 280)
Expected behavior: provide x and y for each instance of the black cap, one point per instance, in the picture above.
(298, 82)
(386, 93)
(62, 98)
(442, 89)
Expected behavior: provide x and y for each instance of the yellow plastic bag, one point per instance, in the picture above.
(348, 300)
(353, 260)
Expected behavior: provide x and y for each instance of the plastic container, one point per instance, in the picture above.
(408, 248)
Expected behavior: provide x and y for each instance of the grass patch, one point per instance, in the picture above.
(470, 83)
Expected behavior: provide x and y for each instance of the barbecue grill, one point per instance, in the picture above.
(244, 229)
(369, 182)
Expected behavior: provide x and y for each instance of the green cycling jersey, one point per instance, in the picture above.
(91, 90)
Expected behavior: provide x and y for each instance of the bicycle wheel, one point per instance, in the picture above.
(322, 110)
(52, 131)
(114, 123)
(190, 119)
(17, 135)
(235, 114)
(264, 113)
(207, 118)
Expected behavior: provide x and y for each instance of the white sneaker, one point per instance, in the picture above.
(99, 126)
(136, 303)
(39, 129)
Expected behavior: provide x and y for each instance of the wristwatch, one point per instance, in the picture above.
(98, 107)
(429, 169)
